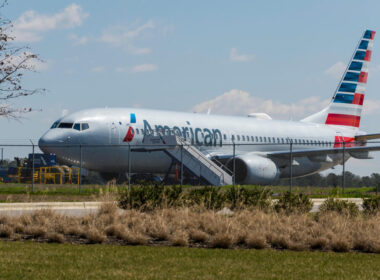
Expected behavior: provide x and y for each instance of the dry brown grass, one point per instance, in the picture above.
(55, 237)
(200, 228)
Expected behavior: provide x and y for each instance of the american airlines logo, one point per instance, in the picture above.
(198, 136)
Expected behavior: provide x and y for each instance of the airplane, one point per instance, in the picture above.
(256, 146)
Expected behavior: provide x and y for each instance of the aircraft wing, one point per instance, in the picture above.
(360, 152)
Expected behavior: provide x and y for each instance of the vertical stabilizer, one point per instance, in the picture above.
(346, 106)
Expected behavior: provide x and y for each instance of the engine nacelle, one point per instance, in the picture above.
(254, 169)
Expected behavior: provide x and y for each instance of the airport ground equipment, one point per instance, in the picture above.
(45, 171)
(195, 162)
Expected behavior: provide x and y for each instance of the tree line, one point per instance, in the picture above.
(334, 180)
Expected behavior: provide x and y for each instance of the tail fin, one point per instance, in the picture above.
(346, 106)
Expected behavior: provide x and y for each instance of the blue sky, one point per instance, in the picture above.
(279, 57)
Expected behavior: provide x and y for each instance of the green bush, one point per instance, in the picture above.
(208, 197)
(290, 202)
(238, 197)
(149, 197)
(371, 206)
(339, 206)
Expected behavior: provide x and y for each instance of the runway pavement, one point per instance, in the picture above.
(66, 208)
(83, 208)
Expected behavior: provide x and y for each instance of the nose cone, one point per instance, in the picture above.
(43, 143)
(47, 142)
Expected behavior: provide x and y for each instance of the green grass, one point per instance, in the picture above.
(41, 189)
(65, 261)
(95, 190)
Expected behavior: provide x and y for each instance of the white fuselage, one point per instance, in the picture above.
(101, 146)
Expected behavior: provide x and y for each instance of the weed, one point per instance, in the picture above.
(255, 241)
(95, 236)
(290, 202)
(371, 205)
(339, 206)
(221, 240)
(5, 231)
(54, 237)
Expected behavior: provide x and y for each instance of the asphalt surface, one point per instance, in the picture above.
(84, 208)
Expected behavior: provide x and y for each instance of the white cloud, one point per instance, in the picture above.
(144, 68)
(121, 69)
(236, 57)
(98, 69)
(78, 40)
(374, 69)
(238, 102)
(336, 71)
(30, 25)
(121, 36)
(64, 112)
(371, 106)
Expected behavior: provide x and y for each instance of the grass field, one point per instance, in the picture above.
(27, 260)
(23, 192)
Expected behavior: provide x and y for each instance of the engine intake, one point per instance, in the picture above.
(254, 169)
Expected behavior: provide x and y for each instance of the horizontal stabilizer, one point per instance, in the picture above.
(367, 137)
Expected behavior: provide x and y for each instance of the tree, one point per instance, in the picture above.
(15, 61)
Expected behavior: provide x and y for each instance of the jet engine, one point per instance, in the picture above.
(254, 169)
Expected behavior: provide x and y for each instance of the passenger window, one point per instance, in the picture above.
(257, 139)
(252, 139)
(269, 139)
(274, 140)
(77, 126)
(224, 136)
(265, 139)
(232, 137)
(238, 137)
(137, 131)
(243, 137)
(261, 139)
(247, 138)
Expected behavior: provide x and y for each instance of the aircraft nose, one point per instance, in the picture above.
(46, 140)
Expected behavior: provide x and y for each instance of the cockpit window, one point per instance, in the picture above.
(65, 125)
(85, 126)
(55, 124)
(81, 126)
(77, 126)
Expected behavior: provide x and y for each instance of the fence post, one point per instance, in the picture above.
(129, 167)
(181, 165)
(291, 166)
(344, 166)
(233, 165)
(32, 167)
(80, 168)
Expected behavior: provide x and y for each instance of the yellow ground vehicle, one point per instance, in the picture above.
(43, 173)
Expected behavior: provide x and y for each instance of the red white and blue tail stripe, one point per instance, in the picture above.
(346, 105)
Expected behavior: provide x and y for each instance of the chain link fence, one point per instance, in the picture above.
(179, 159)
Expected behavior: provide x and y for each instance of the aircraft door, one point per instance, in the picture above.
(114, 133)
